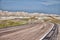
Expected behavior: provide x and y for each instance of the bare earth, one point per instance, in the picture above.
(33, 33)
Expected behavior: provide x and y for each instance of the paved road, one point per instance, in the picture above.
(59, 32)
(14, 29)
(33, 33)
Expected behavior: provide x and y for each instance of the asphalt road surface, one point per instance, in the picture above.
(14, 29)
(59, 32)
(26, 32)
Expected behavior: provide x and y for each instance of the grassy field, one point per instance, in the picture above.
(10, 23)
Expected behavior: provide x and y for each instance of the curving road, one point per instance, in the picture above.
(59, 32)
(26, 32)
(14, 29)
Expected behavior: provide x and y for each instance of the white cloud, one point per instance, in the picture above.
(50, 2)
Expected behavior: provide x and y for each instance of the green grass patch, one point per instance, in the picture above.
(10, 23)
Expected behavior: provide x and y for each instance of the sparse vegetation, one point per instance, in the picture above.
(10, 23)
(53, 20)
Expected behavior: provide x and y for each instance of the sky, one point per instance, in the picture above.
(45, 6)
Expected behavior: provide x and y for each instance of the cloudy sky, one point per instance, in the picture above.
(46, 6)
